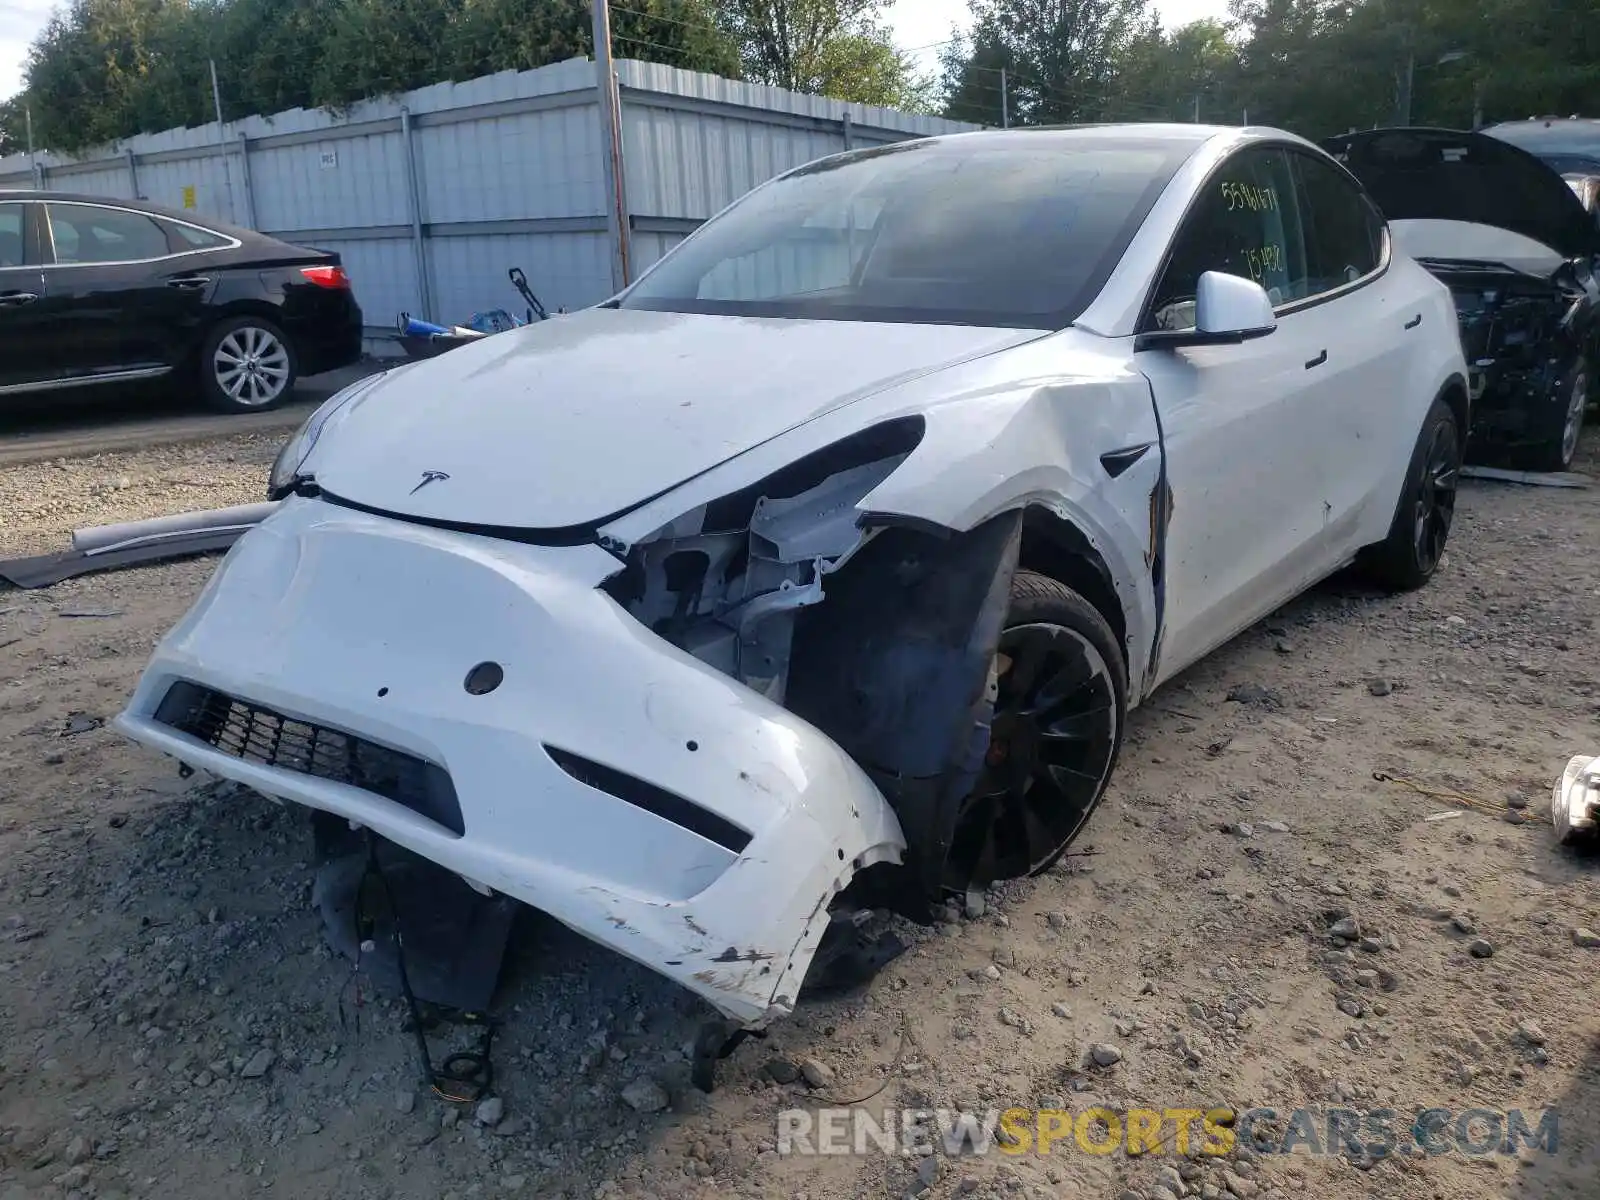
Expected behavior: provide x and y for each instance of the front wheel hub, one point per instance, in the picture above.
(1053, 738)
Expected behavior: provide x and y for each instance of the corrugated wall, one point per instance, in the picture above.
(508, 170)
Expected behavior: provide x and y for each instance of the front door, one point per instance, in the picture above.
(1239, 423)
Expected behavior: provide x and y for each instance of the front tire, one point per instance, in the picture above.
(1060, 707)
(247, 364)
(1409, 556)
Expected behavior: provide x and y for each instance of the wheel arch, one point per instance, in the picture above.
(1458, 400)
(242, 307)
(1055, 547)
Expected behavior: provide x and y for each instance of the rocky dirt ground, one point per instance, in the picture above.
(171, 1022)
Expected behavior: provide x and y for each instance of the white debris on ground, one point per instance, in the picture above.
(1253, 920)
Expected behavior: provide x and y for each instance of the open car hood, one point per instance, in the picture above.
(552, 429)
(1453, 175)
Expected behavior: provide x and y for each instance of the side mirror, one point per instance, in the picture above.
(1228, 309)
(1232, 307)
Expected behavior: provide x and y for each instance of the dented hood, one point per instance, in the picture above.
(560, 425)
(1453, 175)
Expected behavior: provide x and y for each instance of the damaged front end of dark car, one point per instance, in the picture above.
(1515, 245)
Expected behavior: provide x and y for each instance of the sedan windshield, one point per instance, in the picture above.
(1016, 230)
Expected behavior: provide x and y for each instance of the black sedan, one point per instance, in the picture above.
(98, 291)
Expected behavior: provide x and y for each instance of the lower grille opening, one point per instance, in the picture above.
(255, 734)
(669, 806)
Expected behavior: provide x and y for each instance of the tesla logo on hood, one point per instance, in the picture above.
(429, 477)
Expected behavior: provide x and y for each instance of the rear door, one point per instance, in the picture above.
(21, 288)
(120, 300)
(1374, 321)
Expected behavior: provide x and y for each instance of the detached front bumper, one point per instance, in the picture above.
(609, 779)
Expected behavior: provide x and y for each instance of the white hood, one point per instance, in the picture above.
(573, 420)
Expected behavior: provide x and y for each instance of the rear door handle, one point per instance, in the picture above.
(1318, 360)
(1414, 322)
(16, 299)
(189, 283)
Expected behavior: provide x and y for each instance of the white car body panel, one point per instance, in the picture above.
(1211, 482)
(288, 621)
(565, 408)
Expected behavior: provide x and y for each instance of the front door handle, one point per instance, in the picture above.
(1414, 322)
(1318, 360)
(16, 299)
(189, 283)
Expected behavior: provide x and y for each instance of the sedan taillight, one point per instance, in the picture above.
(328, 277)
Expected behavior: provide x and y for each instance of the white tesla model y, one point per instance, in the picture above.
(821, 567)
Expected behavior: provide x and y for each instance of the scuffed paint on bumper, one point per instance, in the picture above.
(370, 626)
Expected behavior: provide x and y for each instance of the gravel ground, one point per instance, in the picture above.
(44, 502)
(171, 1022)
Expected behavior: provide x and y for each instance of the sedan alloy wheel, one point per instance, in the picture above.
(251, 365)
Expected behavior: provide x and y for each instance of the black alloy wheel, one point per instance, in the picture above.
(1059, 709)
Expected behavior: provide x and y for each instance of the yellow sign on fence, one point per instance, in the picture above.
(188, 195)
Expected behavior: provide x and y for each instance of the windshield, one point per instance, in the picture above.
(999, 230)
(1572, 164)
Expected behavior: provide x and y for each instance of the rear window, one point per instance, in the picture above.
(184, 238)
(1019, 231)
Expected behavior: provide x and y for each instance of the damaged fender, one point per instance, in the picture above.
(885, 640)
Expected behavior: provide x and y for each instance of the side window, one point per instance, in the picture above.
(12, 245)
(86, 233)
(1346, 241)
(1247, 222)
(184, 238)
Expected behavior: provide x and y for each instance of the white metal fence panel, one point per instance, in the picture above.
(429, 197)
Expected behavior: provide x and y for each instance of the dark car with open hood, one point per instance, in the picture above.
(1519, 252)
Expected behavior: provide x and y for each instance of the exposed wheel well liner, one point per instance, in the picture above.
(1454, 393)
(1056, 548)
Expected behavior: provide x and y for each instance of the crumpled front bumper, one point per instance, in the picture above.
(611, 780)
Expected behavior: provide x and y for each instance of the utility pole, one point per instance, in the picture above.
(1197, 108)
(1407, 79)
(33, 159)
(1477, 105)
(611, 145)
(222, 145)
(1005, 101)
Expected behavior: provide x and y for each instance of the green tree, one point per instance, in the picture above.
(1062, 58)
(98, 64)
(837, 48)
(976, 71)
(1185, 74)
(107, 69)
(13, 127)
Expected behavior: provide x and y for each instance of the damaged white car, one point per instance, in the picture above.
(820, 568)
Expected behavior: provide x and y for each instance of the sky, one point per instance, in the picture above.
(917, 24)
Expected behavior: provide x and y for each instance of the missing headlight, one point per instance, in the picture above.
(724, 580)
